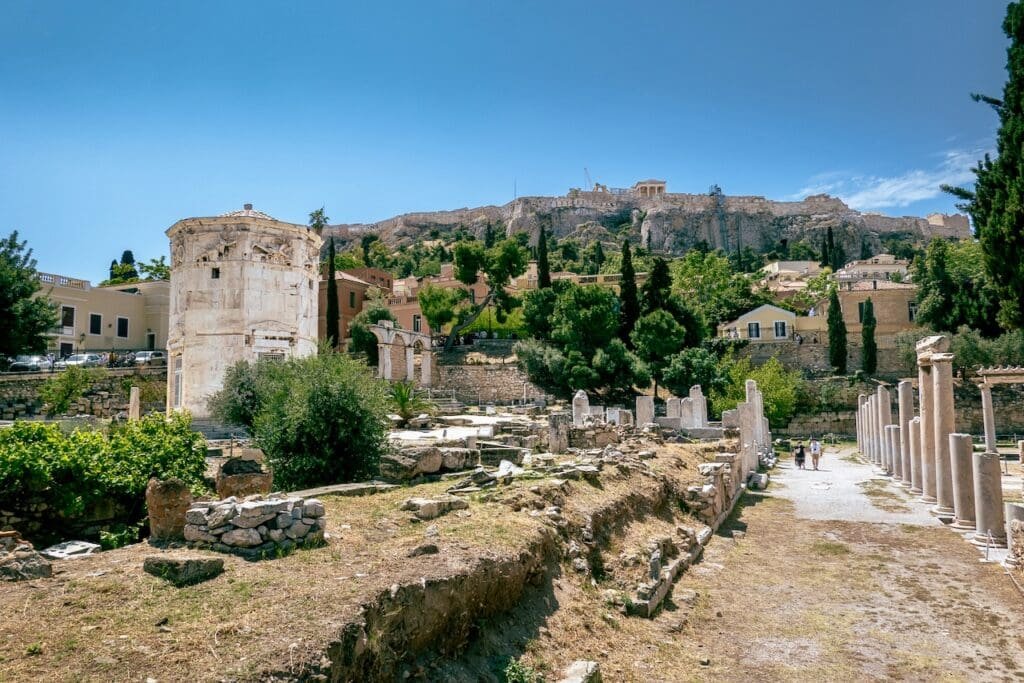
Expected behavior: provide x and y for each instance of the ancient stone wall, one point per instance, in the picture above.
(499, 383)
(19, 395)
(814, 357)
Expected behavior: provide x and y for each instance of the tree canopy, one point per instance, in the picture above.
(25, 319)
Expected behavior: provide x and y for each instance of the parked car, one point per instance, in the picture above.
(151, 358)
(84, 360)
(30, 364)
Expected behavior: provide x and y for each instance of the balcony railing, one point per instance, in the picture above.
(62, 281)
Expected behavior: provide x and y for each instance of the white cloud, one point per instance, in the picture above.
(871, 193)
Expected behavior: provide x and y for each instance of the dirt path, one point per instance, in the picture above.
(835, 577)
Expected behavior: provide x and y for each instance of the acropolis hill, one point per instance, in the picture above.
(671, 222)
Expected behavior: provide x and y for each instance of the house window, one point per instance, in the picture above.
(754, 330)
(215, 273)
(67, 317)
(416, 323)
(95, 323)
(780, 329)
(122, 327)
(351, 299)
(911, 310)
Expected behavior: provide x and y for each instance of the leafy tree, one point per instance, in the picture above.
(778, 388)
(695, 365)
(63, 389)
(361, 339)
(440, 305)
(583, 351)
(489, 236)
(708, 283)
(365, 242)
(127, 258)
(836, 334)
(319, 419)
(995, 205)
(501, 263)
(155, 269)
(629, 310)
(594, 257)
(658, 287)
(333, 314)
(24, 318)
(954, 289)
(538, 308)
(656, 338)
(869, 348)
(350, 259)
(543, 267)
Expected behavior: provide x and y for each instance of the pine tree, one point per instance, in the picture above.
(543, 267)
(995, 205)
(869, 349)
(836, 334)
(629, 310)
(333, 315)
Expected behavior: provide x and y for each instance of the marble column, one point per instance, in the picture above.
(944, 424)
(925, 391)
(988, 500)
(892, 437)
(410, 364)
(989, 418)
(1012, 512)
(884, 420)
(427, 369)
(961, 460)
(384, 360)
(914, 427)
(873, 429)
(861, 399)
(906, 398)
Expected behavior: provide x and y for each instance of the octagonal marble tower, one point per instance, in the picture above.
(243, 287)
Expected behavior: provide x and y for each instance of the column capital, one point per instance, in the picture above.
(942, 357)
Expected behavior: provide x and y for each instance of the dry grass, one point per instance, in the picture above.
(883, 497)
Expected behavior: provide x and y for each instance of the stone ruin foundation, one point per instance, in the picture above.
(257, 527)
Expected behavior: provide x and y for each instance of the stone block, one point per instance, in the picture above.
(242, 538)
(183, 571)
(168, 503)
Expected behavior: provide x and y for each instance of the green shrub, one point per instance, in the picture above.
(517, 672)
(320, 420)
(778, 389)
(61, 390)
(72, 471)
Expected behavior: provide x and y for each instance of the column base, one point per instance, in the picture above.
(981, 540)
(925, 498)
(965, 525)
(916, 490)
(1011, 562)
(943, 512)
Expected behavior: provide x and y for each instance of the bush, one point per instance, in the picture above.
(320, 420)
(361, 339)
(72, 471)
(778, 389)
(60, 391)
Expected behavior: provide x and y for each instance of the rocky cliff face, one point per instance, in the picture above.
(671, 222)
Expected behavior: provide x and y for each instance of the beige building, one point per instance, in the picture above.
(244, 286)
(115, 318)
(878, 267)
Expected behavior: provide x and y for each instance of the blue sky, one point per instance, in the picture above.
(118, 118)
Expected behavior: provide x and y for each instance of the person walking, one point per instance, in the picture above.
(800, 456)
(815, 452)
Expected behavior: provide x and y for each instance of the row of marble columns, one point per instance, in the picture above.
(924, 454)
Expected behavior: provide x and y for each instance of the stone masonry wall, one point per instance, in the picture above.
(501, 383)
(814, 357)
(19, 394)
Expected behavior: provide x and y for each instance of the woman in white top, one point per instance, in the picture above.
(815, 452)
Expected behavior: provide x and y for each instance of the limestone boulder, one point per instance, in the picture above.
(19, 561)
(411, 462)
(168, 502)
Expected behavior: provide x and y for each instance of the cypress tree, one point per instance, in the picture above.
(333, 315)
(836, 334)
(658, 287)
(995, 205)
(543, 267)
(869, 350)
(598, 257)
(629, 311)
(824, 253)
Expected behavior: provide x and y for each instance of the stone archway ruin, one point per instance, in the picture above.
(988, 378)
(396, 353)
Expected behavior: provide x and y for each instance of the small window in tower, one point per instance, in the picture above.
(215, 273)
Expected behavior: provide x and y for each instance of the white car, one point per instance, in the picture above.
(151, 358)
(85, 360)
